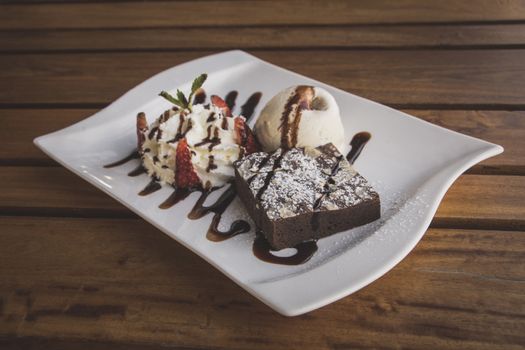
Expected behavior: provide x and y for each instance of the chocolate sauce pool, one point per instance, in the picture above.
(261, 248)
(358, 143)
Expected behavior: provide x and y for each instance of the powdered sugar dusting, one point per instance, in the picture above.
(302, 178)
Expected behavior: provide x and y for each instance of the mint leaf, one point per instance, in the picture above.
(172, 99)
(182, 98)
(197, 83)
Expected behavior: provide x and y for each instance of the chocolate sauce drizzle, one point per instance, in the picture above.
(271, 173)
(218, 208)
(199, 97)
(262, 164)
(211, 117)
(137, 171)
(224, 124)
(297, 102)
(314, 222)
(132, 155)
(262, 250)
(358, 143)
(230, 99)
(209, 139)
(178, 195)
(248, 108)
(153, 186)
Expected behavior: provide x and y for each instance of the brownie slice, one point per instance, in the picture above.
(302, 194)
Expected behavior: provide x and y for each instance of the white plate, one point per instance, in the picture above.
(411, 163)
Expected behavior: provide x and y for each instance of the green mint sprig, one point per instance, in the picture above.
(181, 100)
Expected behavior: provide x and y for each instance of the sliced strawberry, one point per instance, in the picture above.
(245, 136)
(219, 102)
(142, 128)
(185, 176)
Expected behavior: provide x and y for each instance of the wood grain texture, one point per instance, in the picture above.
(254, 13)
(122, 281)
(419, 77)
(80, 271)
(166, 39)
(473, 201)
(500, 127)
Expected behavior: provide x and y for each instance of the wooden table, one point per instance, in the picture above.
(80, 271)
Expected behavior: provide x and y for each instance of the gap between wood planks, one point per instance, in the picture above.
(473, 201)
(506, 128)
(420, 106)
(144, 14)
(514, 170)
(441, 223)
(268, 49)
(393, 77)
(360, 37)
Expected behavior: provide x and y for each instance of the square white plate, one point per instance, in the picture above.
(411, 163)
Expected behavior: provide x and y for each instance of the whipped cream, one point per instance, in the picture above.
(198, 126)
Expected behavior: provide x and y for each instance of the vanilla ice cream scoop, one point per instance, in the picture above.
(300, 116)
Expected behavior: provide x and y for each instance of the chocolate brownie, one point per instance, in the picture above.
(300, 194)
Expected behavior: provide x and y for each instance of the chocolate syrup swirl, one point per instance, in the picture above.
(152, 132)
(237, 227)
(137, 171)
(230, 99)
(211, 163)
(209, 139)
(178, 195)
(358, 143)
(314, 222)
(299, 101)
(132, 155)
(211, 117)
(218, 208)
(224, 124)
(261, 165)
(262, 250)
(269, 176)
(153, 186)
(249, 106)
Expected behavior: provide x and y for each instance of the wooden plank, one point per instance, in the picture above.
(253, 13)
(473, 201)
(20, 127)
(122, 281)
(488, 78)
(426, 36)
(507, 128)
(501, 127)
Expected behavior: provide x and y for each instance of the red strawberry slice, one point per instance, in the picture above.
(185, 176)
(142, 127)
(219, 102)
(245, 136)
